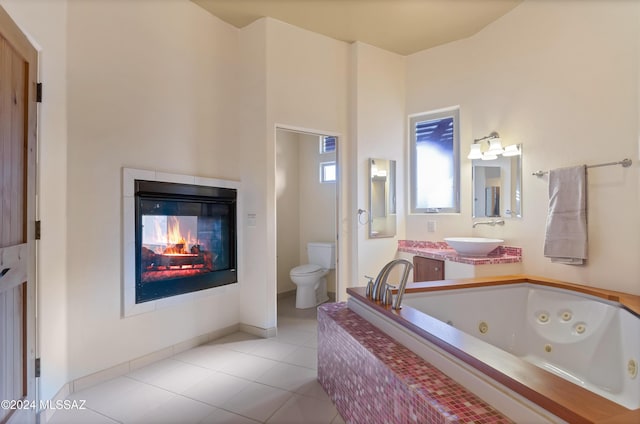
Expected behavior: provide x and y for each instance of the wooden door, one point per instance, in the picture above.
(18, 64)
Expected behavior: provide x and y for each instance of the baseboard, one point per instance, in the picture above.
(260, 332)
(286, 294)
(47, 414)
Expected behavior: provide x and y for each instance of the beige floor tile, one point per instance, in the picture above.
(247, 366)
(178, 409)
(304, 357)
(288, 377)
(295, 336)
(207, 356)
(79, 416)
(313, 389)
(272, 349)
(172, 375)
(221, 416)
(257, 401)
(123, 399)
(217, 389)
(301, 409)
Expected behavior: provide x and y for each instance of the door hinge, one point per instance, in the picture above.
(39, 92)
(37, 370)
(37, 230)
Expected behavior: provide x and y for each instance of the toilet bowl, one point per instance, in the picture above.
(311, 286)
(310, 281)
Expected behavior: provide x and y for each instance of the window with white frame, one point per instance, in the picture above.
(328, 168)
(328, 172)
(435, 162)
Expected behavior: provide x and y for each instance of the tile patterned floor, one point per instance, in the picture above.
(238, 379)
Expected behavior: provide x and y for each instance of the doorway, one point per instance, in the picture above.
(18, 70)
(306, 201)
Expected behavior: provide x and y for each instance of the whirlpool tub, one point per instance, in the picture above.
(532, 348)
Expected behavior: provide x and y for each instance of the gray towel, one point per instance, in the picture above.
(566, 234)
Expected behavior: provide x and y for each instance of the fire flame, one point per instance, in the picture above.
(168, 233)
(174, 235)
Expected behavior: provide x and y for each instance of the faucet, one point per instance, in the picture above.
(380, 290)
(492, 222)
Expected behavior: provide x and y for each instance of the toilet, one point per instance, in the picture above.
(310, 278)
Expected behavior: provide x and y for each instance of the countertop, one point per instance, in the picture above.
(441, 251)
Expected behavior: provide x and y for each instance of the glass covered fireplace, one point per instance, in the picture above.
(185, 238)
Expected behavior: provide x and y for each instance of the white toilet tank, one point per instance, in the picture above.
(323, 254)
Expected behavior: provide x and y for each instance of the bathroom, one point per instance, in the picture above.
(566, 90)
(306, 204)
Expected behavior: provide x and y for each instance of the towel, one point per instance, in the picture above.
(566, 232)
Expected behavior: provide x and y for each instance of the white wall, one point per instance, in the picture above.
(45, 23)
(561, 78)
(379, 123)
(151, 85)
(288, 204)
(303, 86)
(307, 88)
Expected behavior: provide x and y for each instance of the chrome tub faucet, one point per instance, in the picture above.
(380, 290)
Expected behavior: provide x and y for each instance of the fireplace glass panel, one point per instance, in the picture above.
(185, 245)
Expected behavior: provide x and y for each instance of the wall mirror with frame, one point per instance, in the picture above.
(497, 187)
(382, 198)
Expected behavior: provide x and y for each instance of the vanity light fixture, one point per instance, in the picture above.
(495, 148)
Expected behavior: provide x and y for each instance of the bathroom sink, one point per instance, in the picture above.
(473, 246)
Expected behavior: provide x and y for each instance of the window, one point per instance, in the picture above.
(327, 144)
(328, 168)
(328, 172)
(435, 162)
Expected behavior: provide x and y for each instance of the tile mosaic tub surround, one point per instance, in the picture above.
(373, 379)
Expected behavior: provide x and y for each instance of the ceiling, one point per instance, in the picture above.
(400, 26)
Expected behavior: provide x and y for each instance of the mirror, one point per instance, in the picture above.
(497, 187)
(382, 198)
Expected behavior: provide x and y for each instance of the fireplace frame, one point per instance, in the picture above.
(199, 186)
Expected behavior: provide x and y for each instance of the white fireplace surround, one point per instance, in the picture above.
(129, 176)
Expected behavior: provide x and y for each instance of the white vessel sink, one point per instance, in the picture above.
(473, 246)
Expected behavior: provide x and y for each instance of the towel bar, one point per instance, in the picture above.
(624, 162)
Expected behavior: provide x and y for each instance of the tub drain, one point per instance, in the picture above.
(548, 348)
(483, 327)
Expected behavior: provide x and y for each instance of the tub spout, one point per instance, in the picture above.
(381, 290)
